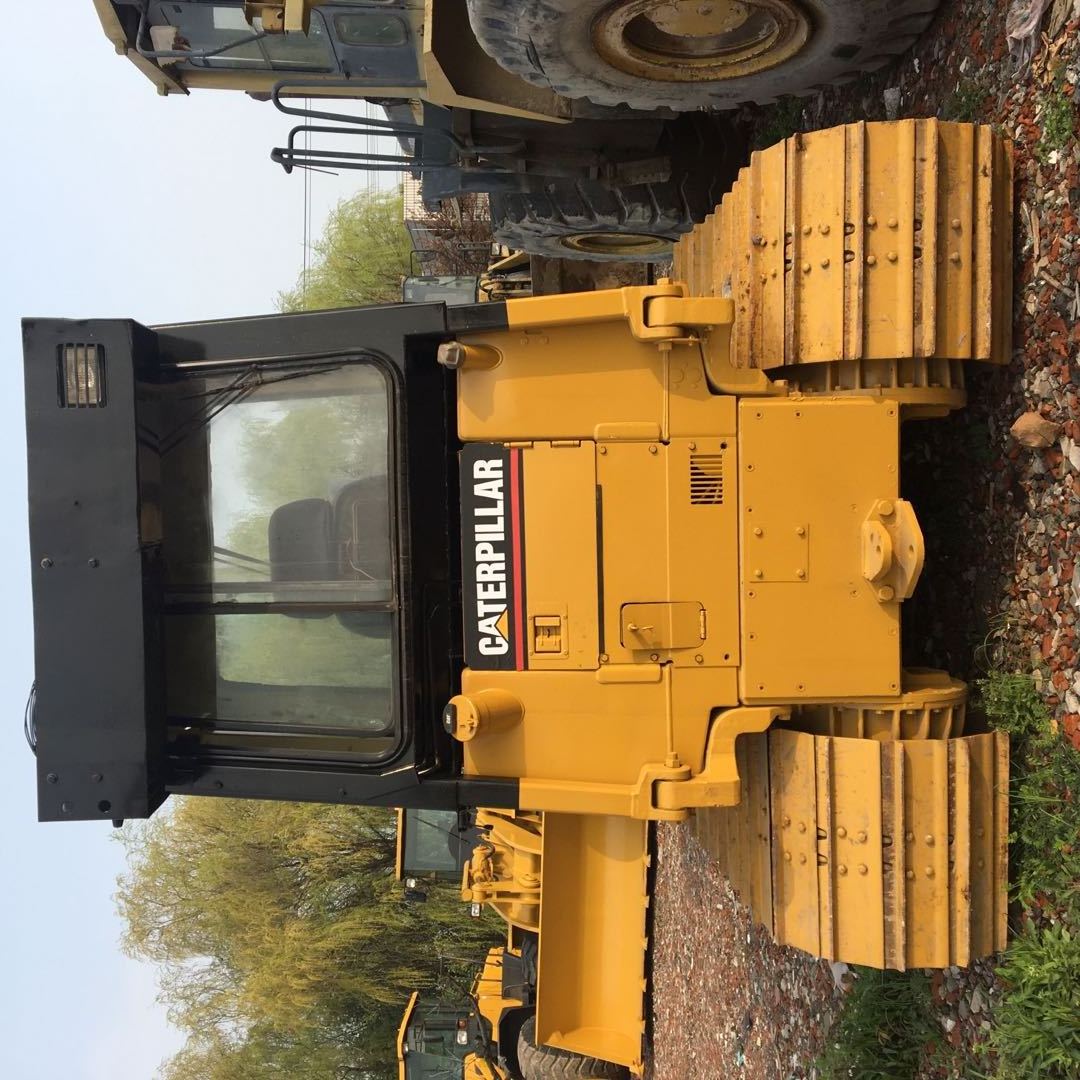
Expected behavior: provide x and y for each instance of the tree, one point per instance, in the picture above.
(361, 257)
(280, 932)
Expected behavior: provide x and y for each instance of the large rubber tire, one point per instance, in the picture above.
(549, 44)
(548, 1063)
(705, 154)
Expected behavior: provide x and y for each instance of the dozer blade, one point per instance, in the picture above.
(891, 854)
(591, 989)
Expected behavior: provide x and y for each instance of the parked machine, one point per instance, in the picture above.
(584, 562)
(593, 125)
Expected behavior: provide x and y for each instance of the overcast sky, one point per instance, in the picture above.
(116, 202)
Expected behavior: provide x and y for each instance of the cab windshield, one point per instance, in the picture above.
(281, 590)
(206, 28)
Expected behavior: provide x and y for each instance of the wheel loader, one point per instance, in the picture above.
(597, 127)
(579, 563)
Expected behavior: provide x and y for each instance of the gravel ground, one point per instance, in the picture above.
(1000, 520)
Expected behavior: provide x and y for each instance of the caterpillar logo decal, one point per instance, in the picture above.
(493, 558)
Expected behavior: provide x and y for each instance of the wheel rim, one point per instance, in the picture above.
(610, 243)
(699, 40)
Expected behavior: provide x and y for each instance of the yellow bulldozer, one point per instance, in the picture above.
(597, 127)
(568, 565)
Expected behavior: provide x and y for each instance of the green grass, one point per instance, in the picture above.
(778, 122)
(1036, 1029)
(1058, 117)
(1045, 804)
(885, 1029)
(965, 102)
(1037, 1023)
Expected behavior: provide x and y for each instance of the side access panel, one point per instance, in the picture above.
(593, 937)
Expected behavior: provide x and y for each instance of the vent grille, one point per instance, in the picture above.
(706, 479)
(81, 376)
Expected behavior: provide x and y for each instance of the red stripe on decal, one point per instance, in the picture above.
(519, 570)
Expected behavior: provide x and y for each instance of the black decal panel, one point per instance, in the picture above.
(492, 555)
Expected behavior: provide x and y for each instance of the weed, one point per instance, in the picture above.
(885, 1029)
(1037, 1022)
(1058, 118)
(965, 102)
(778, 122)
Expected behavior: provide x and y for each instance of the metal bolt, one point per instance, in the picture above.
(955, 257)
(886, 508)
(786, 820)
(699, 659)
(52, 778)
(929, 840)
(909, 837)
(824, 264)
(841, 832)
(787, 856)
(654, 657)
(893, 223)
(807, 230)
(956, 223)
(886, 593)
(66, 807)
(603, 449)
(909, 874)
(764, 278)
(806, 268)
(46, 563)
(758, 531)
(603, 658)
(862, 868)
(861, 837)
(759, 574)
(929, 871)
(693, 445)
(800, 531)
(802, 826)
(871, 221)
(823, 229)
(841, 870)
(96, 777)
(800, 573)
(871, 260)
(892, 256)
(652, 449)
(92, 563)
(802, 859)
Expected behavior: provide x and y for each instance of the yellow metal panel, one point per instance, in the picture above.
(956, 251)
(823, 795)
(668, 526)
(926, 852)
(894, 909)
(818, 275)
(613, 728)
(826, 635)
(854, 237)
(961, 903)
(890, 242)
(767, 308)
(793, 779)
(927, 165)
(591, 986)
(856, 832)
(560, 551)
(560, 383)
(663, 626)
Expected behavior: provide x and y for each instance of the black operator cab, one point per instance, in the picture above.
(243, 537)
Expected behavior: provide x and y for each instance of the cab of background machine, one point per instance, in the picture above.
(435, 1040)
(200, 43)
(244, 560)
